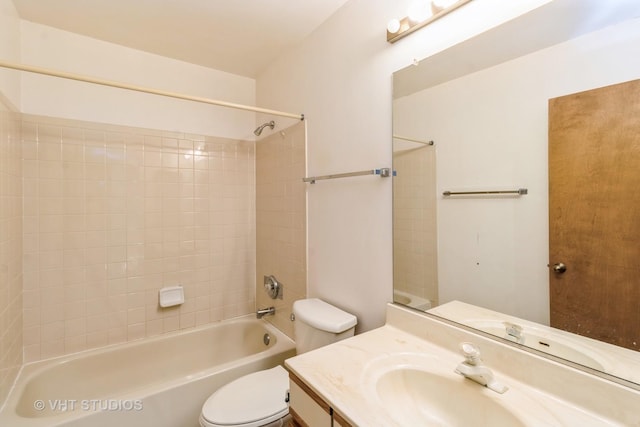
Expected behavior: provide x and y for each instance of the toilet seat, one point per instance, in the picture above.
(250, 401)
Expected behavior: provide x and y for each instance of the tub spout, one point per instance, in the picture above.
(263, 311)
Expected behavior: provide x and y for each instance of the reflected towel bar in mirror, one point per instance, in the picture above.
(519, 192)
(406, 138)
(383, 172)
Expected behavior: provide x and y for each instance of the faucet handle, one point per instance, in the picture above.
(470, 352)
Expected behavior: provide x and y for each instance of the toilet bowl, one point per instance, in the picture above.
(254, 400)
(260, 399)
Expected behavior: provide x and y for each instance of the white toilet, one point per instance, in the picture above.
(259, 399)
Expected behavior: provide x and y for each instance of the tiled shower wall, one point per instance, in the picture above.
(281, 220)
(10, 250)
(112, 214)
(415, 258)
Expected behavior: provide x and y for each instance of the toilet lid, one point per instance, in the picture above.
(249, 401)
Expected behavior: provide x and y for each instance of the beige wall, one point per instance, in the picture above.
(112, 214)
(340, 77)
(281, 220)
(415, 240)
(61, 50)
(9, 51)
(10, 250)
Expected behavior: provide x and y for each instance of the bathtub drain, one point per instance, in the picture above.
(266, 339)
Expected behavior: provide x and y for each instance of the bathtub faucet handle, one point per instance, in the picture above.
(264, 311)
(273, 287)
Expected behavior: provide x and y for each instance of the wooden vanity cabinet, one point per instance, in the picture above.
(307, 409)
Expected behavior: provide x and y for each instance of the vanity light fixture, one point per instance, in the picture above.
(419, 14)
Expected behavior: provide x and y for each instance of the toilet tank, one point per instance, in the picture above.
(318, 324)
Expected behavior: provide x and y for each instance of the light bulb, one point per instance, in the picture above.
(393, 26)
(439, 5)
(419, 11)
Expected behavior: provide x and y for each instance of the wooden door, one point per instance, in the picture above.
(594, 213)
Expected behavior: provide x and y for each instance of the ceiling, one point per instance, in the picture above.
(237, 36)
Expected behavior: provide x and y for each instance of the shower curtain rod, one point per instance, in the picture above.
(87, 79)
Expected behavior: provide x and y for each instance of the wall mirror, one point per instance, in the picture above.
(483, 259)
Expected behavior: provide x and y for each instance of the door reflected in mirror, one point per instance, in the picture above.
(485, 104)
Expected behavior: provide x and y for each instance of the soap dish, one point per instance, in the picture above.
(171, 296)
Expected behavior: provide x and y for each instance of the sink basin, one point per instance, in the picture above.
(421, 389)
(409, 395)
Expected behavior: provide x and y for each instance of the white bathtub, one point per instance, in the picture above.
(413, 301)
(161, 381)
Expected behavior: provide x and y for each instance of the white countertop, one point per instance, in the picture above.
(345, 375)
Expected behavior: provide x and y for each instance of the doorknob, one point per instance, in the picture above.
(559, 268)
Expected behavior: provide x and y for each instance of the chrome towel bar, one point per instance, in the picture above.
(419, 141)
(519, 192)
(383, 172)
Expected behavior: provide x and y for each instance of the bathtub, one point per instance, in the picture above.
(156, 382)
(413, 301)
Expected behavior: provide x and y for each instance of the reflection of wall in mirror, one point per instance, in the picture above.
(414, 220)
(490, 128)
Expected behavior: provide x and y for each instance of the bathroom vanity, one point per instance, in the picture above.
(404, 373)
(307, 408)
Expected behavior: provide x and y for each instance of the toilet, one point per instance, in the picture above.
(260, 399)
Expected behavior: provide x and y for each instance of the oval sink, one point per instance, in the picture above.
(412, 395)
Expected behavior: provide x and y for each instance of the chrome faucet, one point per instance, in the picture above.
(264, 311)
(473, 369)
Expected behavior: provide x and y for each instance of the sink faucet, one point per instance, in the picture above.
(514, 332)
(473, 369)
(263, 311)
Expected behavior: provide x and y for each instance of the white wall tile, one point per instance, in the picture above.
(11, 247)
(116, 213)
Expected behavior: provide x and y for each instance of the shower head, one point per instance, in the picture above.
(259, 129)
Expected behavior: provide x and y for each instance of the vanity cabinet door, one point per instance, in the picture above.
(307, 409)
(338, 421)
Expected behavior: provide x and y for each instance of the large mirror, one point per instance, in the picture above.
(476, 118)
